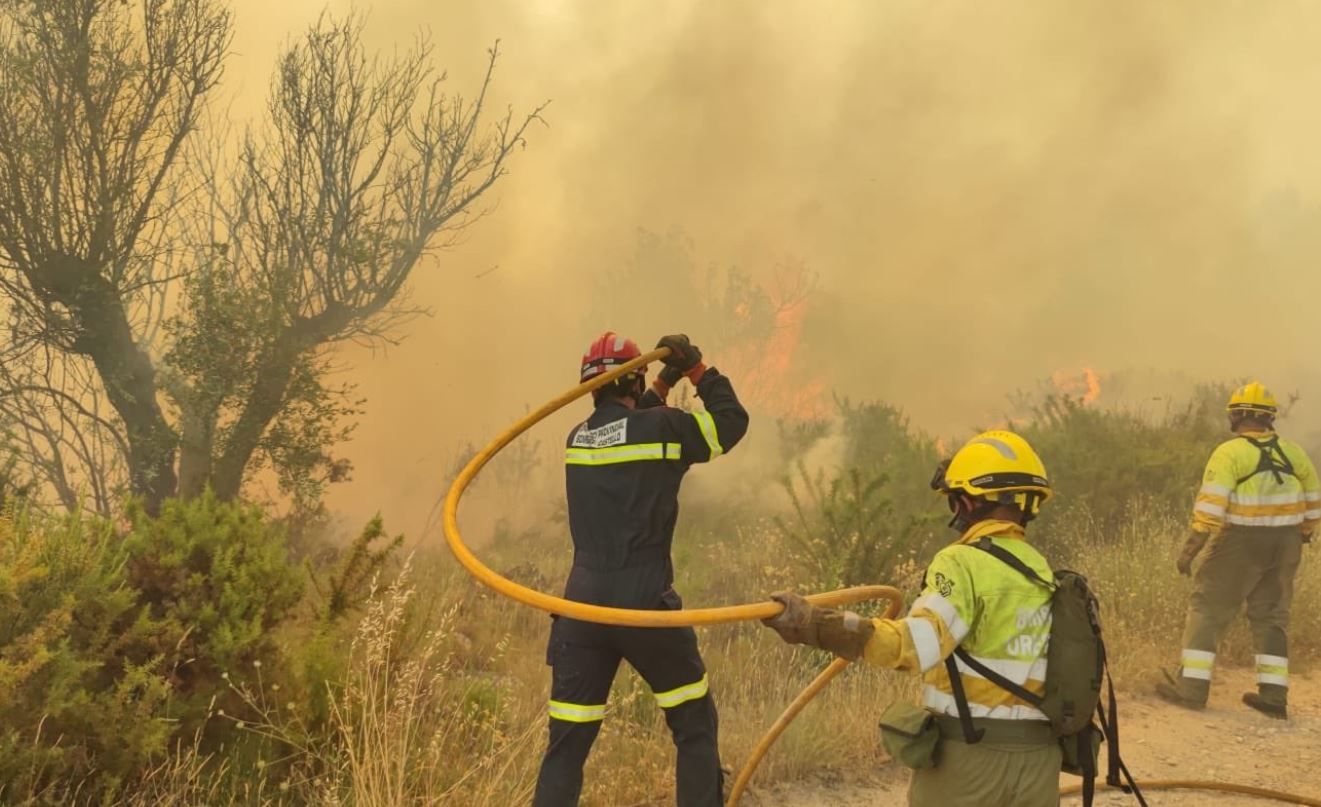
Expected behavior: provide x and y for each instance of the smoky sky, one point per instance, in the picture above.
(985, 193)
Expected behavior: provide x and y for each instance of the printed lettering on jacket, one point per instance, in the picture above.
(1035, 618)
(614, 433)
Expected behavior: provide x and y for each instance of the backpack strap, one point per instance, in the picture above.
(1087, 763)
(971, 735)
(1110, 730)
(1009, 558)
(998, 679)
(1268, 463)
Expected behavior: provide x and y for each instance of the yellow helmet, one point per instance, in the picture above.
(998, 466)
(1253, 397)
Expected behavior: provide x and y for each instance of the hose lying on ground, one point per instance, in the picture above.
(702, 616)
(1220, 787)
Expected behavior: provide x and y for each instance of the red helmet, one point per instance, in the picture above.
(608, 351)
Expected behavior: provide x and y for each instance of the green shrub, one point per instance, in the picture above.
(845, 531)
(82, 700)
(859, 521)
(1104, 459)
(218, 578)
(348, 583)
(112, 647)
(880, 439)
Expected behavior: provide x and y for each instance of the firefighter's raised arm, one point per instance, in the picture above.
(704, 435)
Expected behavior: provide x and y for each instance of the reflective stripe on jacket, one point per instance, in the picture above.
(973, 600)
(1243, 486)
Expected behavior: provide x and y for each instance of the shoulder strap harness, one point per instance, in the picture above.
(1273, 459)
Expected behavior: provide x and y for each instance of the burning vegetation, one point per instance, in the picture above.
(1084, 386)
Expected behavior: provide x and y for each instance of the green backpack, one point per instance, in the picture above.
(1075, 672)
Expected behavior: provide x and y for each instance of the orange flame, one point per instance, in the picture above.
(767, 374)
(1083, 386)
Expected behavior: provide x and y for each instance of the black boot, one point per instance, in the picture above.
(1270, 701)
(1171, 694)
(1187, 693)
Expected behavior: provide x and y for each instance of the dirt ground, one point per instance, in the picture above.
(1226, 743)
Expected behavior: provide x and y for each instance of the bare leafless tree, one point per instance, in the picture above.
(304, 235)
(362, 168)
(95, 105)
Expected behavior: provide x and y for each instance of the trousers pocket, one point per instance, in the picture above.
(909, 734)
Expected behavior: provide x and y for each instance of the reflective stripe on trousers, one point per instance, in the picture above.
(577, 712)
(683, 694)
(1197, 664)
(1272, 670)
(588, 713)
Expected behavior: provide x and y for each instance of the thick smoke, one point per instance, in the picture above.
(986, 194)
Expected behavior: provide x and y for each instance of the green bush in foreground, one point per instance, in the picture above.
(82, 696)
(112, 646)
(216, 577)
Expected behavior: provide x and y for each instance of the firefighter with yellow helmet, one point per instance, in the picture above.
(1259, 502)
(974, 601)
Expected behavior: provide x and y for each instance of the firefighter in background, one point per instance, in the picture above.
(624, 465)
(1259, 503)
(974, 601)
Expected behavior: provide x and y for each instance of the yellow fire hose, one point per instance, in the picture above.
(1193, 784)
(777, 728)
(707, 616)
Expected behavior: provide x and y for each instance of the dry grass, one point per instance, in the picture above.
(418, 719)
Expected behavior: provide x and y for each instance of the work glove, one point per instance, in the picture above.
(1191, 547)
(794, 623)
(670, 375)
(684, 355)
(660, 388)
(843, 633)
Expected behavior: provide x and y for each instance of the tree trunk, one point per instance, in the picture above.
(262, 406)
(195, 448)
(106, 337)
(269, 391)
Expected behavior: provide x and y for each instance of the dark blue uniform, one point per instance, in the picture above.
(623, 471)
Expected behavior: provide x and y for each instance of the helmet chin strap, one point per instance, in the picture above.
(639, 387)
(965, 515)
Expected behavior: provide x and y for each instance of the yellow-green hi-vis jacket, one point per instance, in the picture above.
(974, 600)
(1244, 487)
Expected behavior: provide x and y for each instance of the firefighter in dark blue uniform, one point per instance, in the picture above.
(624, 465)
